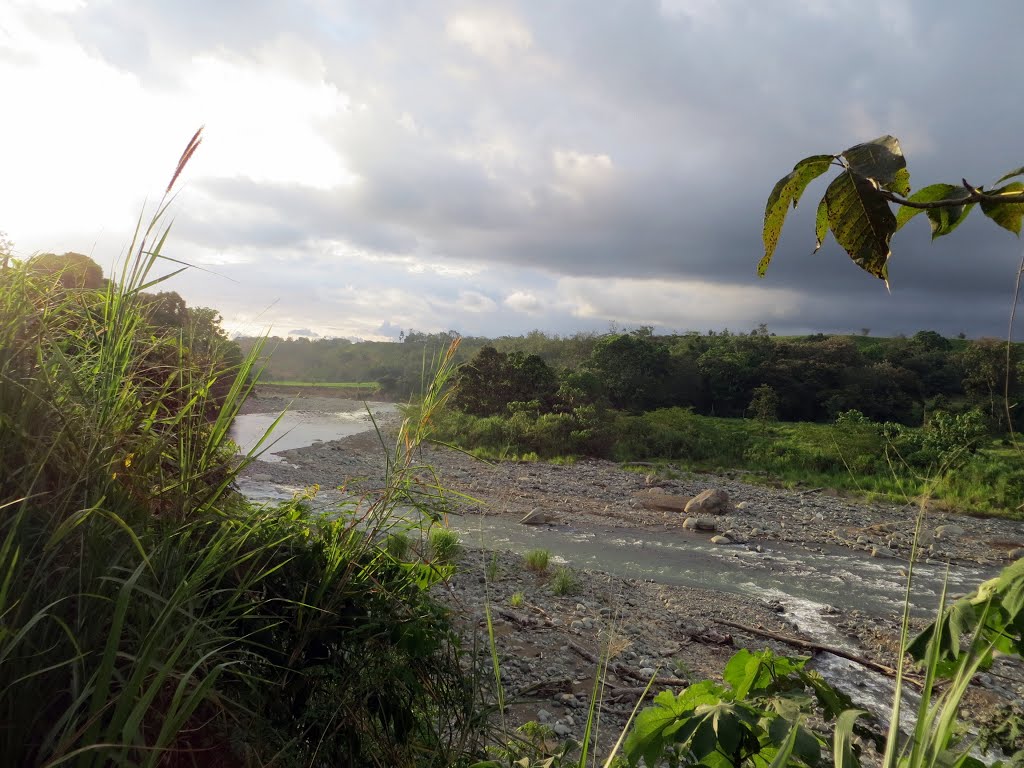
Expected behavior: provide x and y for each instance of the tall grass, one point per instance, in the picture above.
(148, 614)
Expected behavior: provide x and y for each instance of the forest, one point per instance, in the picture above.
(813, 378)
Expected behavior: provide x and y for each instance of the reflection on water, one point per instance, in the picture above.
(298, 429)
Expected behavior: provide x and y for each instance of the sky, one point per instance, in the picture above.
(499, 167)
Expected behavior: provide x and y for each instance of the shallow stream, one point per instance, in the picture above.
(813, 586)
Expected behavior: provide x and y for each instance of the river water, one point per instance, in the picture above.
(810, 584)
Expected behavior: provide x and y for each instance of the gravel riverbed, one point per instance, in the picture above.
(548, 643)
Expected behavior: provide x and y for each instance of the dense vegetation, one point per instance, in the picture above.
(149, 615)
(815, 377)
(886, 415)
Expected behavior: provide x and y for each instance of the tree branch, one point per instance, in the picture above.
(973, 196)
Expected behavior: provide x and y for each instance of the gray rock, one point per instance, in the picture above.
(1015, 554)
(882, 552)
(721, 539)
(561, 729)
(543, 716)
(713, 501)
(535, 516)
(949, 531)
(699, 524)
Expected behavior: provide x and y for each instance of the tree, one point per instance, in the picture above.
(6, 250)
(856, 207)
(764, 405)
(72, 270)
(634, 370)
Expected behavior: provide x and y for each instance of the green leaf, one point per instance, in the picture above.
(880, 159)
(901, 184)
(842, 745)
(945, 220)
(861, 221)
(832, 701)
(930, 194)
(668, 719)
(820, 225)
(1011, 174)
(788, 190)
(1006, 215)
(785, 750)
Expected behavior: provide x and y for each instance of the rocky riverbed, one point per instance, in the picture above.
(549, 643)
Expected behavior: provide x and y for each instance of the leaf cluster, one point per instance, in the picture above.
(757, 718)
(857, 205)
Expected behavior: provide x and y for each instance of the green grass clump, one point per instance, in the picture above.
(537, 560)
(444, 545)
(398, 545)
(148, 613)
(565, 582)
(493, 568)
(517, 599)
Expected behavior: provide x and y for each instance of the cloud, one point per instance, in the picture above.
(303, 332)
(492, 35)
(500, 167)
(524, 301)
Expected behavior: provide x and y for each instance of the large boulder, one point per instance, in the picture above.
(713, 501)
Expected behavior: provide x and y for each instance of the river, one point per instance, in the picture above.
(811, 584)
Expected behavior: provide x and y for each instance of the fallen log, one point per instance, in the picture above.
(809, 645)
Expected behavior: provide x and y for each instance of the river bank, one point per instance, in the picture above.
(547, 642)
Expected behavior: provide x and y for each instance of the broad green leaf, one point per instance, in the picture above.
(842, 745)
(820, 225)
(880, 159)
(1011, 174)
(861, 221)
(787, 191)
(669, 718)
(1006, 215)
(740, 671)
(945, 220)
(930, 194)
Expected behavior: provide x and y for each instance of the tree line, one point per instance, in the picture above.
(806, 378)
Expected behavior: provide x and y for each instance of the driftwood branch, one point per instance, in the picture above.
(808, 645)
(623, 671)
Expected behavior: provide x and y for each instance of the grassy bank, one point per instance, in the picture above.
(149, 615)
(976, 475)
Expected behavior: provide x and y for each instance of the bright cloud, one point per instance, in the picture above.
(491, 35)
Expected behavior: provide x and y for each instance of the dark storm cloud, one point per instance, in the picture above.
(627, 139)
